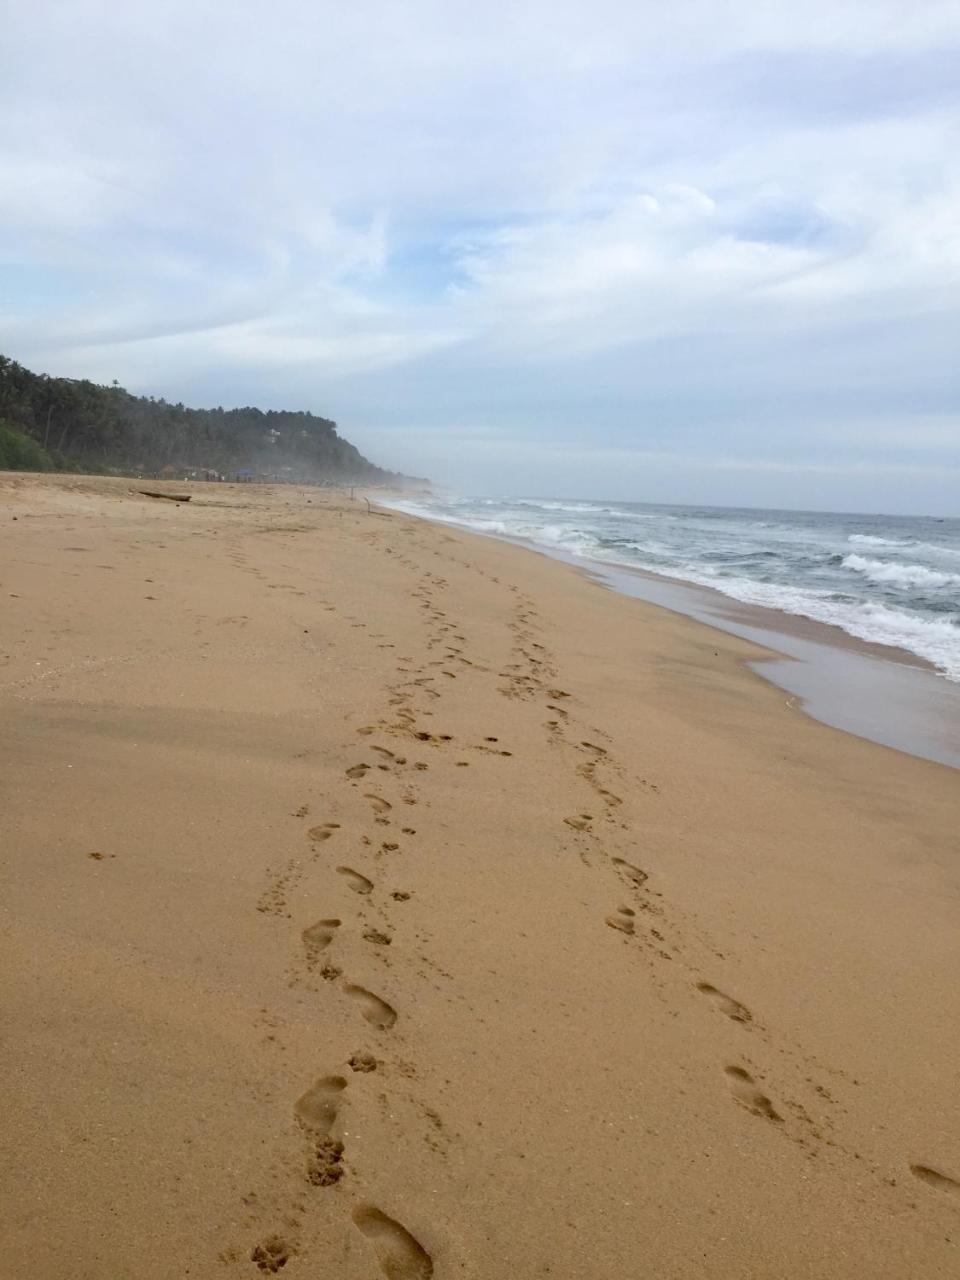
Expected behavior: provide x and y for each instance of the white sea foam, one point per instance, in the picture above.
(583, 508)
(577, 508)
(900, 575)
(934, 549)
(935, 640)
(870, 540)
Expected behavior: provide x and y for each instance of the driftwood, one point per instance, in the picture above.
(371, 512)
(171, 497)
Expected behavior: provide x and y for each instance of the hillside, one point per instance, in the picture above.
(67, 424)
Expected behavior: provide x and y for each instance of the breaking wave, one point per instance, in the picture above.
(900, 587)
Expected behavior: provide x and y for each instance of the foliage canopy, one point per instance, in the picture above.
(71, 424)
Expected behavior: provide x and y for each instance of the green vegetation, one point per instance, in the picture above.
(19, 452)
(72, 424)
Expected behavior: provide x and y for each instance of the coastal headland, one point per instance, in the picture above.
(379, 899)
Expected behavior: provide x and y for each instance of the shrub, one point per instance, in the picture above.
(21, 453)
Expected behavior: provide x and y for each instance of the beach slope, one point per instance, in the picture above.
(383, 900)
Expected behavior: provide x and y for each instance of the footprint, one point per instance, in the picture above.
(317, 1108)
(357, 882)
(745, 1091)
(579, 822)
(401, 1257)
(375, 1010)
(726, 1004)
(387, 755)
(633, 874)
(942, 1181)
(362, 1062)
(317, 1111)
(622, 919)
(357, 770)
(324, 831)
(377, 937)
(381, 805)
(271, 1254)
(325, 1165)
(320, 935)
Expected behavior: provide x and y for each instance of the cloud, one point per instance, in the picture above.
(390, 212)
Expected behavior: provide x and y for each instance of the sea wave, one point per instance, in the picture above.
(900, 575)
(937, 641)
(574, 540)
(918, 548)
(936, 549)
(871, 540)
(584, 508)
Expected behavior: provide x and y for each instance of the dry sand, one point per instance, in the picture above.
(381, 900)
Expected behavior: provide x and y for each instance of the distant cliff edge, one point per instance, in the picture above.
(69, 424)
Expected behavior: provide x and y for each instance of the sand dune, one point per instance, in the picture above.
(382, 900)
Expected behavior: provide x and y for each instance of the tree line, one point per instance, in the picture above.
(71, 424)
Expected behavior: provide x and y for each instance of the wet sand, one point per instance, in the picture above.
(884, 694)
(379, 899)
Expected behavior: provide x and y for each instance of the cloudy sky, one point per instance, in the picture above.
(694, 251)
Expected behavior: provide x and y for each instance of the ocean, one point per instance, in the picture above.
(892, 580)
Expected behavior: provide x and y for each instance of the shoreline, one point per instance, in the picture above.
(380, 899)
(877, 692)
(840, 679)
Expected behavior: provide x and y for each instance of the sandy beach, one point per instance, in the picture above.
(379, 899)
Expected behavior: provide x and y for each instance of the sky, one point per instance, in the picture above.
(704, 251)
